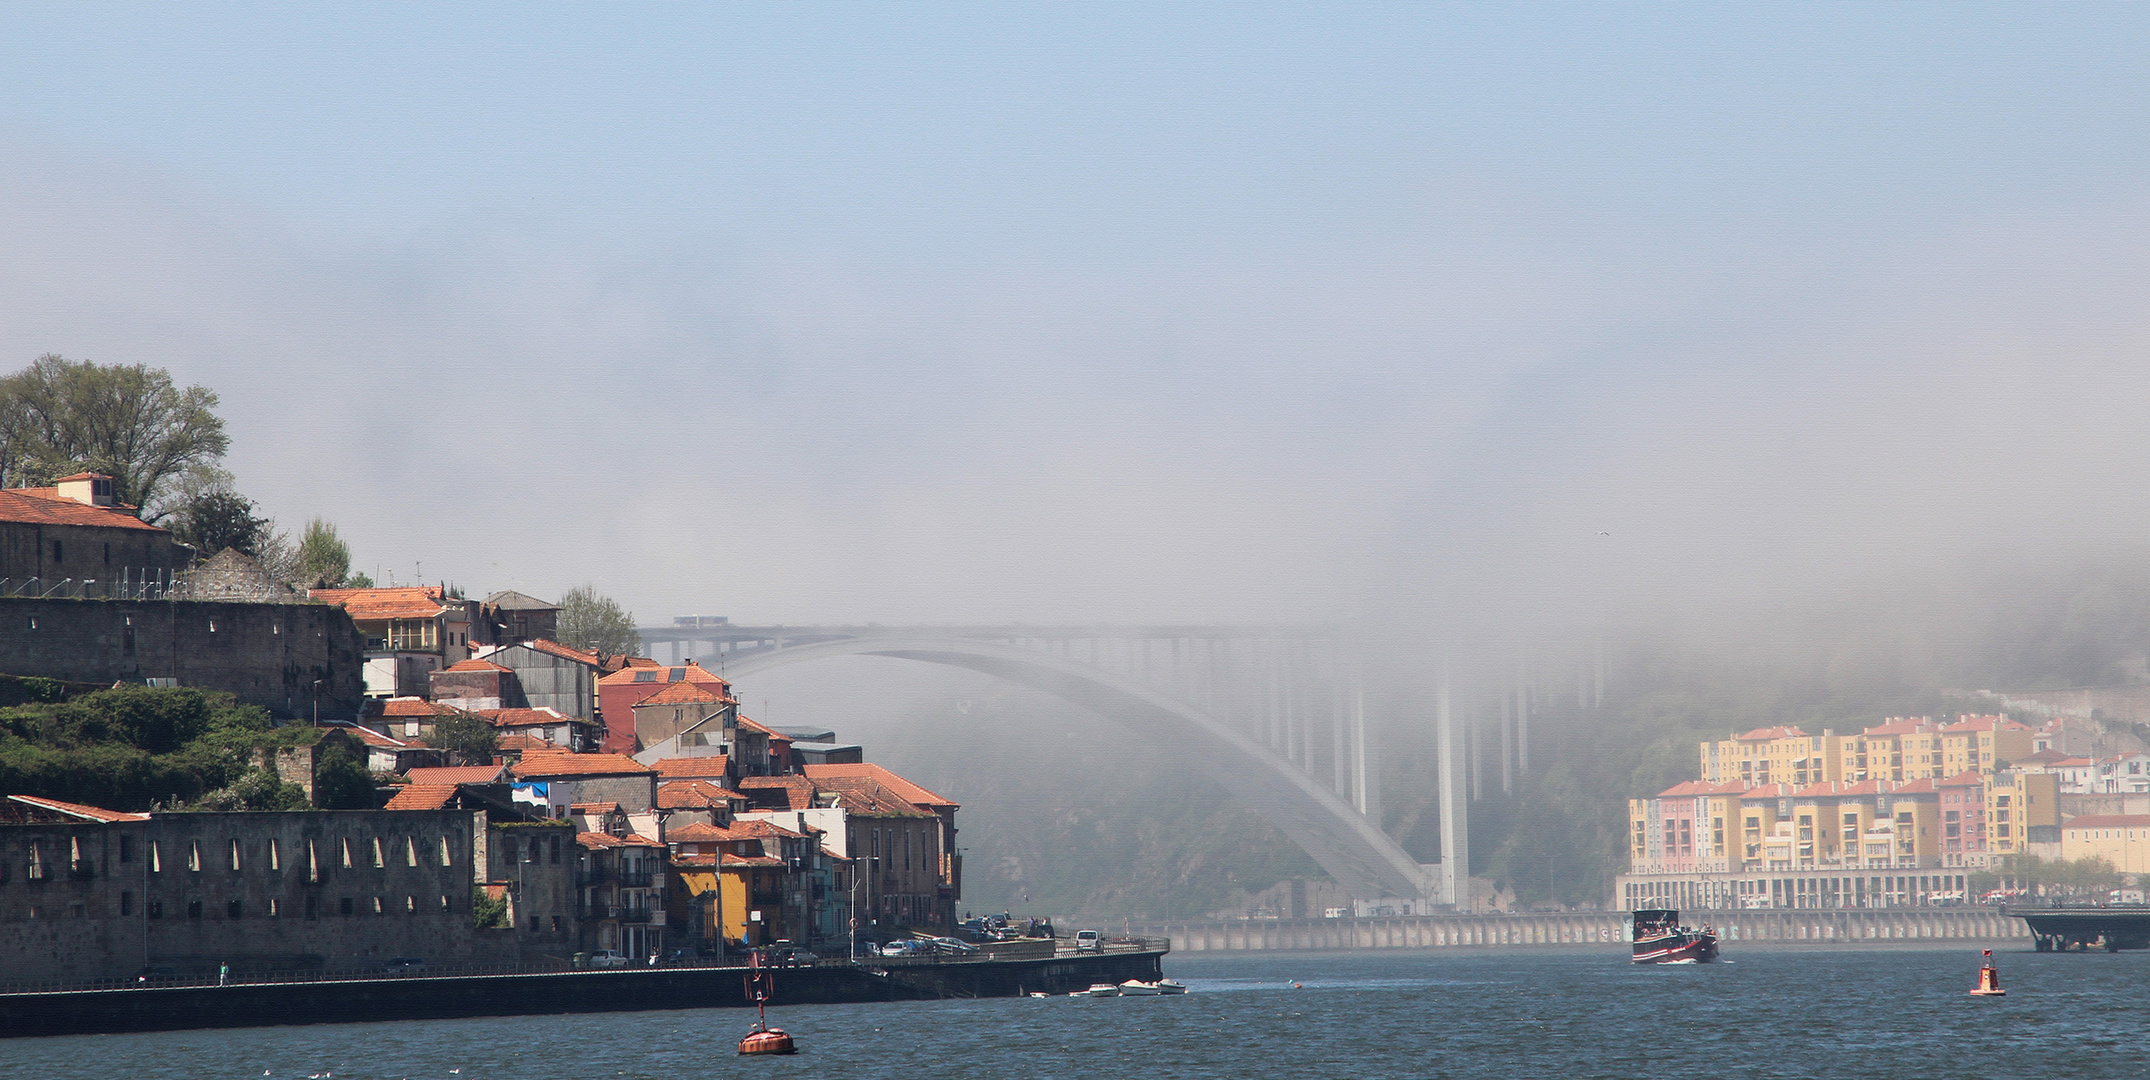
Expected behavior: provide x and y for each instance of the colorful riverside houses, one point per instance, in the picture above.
(621, 879)
(1865, 820)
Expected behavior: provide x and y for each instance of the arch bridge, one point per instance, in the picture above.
(1277, 715)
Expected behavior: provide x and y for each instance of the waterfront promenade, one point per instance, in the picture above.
(1581, 928)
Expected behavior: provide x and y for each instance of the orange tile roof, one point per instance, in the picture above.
(94, 813)
(475, 665)
(679, 693)
(898, 784)
(409, 602)
(1768, 791)
(527, 717)
(406, 706)
(1983, 723)
(1916, 787)
(595, 807)
(422, 797)
(517, 741)
(798, 790)
(565, 652)
(2043, 757)
(371, 737)
(2109, 821)
(688, 672)
(1898, 725)
(44, 506)
(707, 767)
(749, 860)
(458, 774)
(1965, 778)
(865, 795)
(694, 795)
(563, 763)
(697, 833)
(1766, 733)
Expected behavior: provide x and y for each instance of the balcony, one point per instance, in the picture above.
(635, 879)
(641, 914)
(600, 911)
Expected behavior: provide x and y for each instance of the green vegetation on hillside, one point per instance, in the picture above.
(131, 747)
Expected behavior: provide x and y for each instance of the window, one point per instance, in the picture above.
(444, 905)
(313, 865)
(194, 909)
(126, 903)
(194, 856)
(235, 853)
(37, 862)
(380, 858)
(377, 908)
(410, 905)
(556, 851)
(344, 905)
(410, 851)
(445, 860)
(275, 908)
(276, 855)
(231, 909)
(343, 851)
(108, 554)
(507, 850)
(156, 858)
(126, 849)
(56, 552)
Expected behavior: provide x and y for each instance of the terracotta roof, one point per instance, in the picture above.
(1689, 788)
(94, 813)
(595, 807)
(2109, 821)
(652, 673)
(1965, 778)
(2043, 757)
(864, 795)
(693, 795)
(475, 665)
(1915, 787)
(563, 763)
(1898, 725)
(459, 774)
(1765, 733)
(1768, 791)
(749, 860)
(679, 693)
(755, 725)
(798, 790)
(517, 741)
(606, 840)
(526, 717)
(44, 506)
(898, 784)
(707, 767)
(565, 652)
(2073, 762)
(371, 737)
(412, 602)
(422, 797)
(698, 833)
(406, 706)
(1983, 723)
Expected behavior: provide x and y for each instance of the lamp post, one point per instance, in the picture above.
(317, 703)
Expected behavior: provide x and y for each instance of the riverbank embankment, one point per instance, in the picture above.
(1580, 928)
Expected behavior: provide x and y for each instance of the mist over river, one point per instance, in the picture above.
(1789, 1011)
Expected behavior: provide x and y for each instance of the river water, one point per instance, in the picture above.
(1561, 1011)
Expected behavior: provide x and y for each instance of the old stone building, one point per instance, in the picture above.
(75, 531)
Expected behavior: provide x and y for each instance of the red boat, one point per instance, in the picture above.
(1660, 939)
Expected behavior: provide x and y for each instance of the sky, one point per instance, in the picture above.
(1117, 312)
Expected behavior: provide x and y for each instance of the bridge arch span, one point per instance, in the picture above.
(1358, 855)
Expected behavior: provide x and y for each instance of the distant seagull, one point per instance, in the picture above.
(1602, 532)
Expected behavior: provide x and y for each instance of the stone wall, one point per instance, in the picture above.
(85, 551)
(265, 654)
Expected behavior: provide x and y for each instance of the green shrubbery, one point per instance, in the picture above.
(130, 747)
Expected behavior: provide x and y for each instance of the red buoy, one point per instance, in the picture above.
(763, 1039)
(1989, 979)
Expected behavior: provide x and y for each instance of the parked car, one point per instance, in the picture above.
(404, 965)
(785, 953)
(608, 958)
(952, 946)
(900, 948)
(1089, 941)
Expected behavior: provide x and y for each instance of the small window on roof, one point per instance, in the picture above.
(645, 676)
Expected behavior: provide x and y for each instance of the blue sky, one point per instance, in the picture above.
(1109, 311)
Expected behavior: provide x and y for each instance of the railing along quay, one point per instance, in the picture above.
(1582, 928)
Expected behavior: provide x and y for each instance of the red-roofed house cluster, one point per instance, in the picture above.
(1893, 815)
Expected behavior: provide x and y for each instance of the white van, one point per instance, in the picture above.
(1089, 941)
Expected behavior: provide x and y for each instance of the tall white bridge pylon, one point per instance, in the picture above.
(1277, 716)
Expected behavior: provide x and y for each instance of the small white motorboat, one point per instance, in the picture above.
(1039, 993)
(1138, 988)
(1170, 986)
(1104, 990)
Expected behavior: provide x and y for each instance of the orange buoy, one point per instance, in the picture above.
(767, 1040)
(1989, 979)
(763, 1039)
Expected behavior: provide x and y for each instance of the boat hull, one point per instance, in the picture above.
(1676, 949)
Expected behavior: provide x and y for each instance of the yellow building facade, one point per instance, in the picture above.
(2016, 803)
(1775, 755)
(2120, 839)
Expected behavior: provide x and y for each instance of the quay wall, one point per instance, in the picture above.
(1580, 928)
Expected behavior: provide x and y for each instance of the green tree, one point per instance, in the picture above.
(467, 737)
(342, 783)
(131, 422)
(597, 624)
(324, 559)
(219, 519)
(487, 912)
